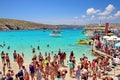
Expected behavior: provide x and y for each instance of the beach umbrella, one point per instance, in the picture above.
(117, 44)
(114, 37)
(105, 37)
(118, 39)
(110, 38)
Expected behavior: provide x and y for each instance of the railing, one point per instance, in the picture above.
(100, 52)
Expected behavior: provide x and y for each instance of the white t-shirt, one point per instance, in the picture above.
(1, 76)
(117, 60)
(84, 71)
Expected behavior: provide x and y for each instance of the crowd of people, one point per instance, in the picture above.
(49, 69)
(109, 48)
(56, 67)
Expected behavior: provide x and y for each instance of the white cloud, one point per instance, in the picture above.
(76, 17)
(104, 13)
(102, 18)
(117, 14)
(92, 11)
(83, 16)
(92, 17)
(110, 17)
(108, 10)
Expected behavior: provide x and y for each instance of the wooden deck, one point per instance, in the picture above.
(99, 52)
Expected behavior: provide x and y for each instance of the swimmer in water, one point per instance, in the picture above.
(33, 50)
(3, 43)
(48, 45)
(38, 47)
(8, 48)
(31, 46)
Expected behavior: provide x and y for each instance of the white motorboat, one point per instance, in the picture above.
(55, 33)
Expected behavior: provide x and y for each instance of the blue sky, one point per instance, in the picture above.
(61, 11)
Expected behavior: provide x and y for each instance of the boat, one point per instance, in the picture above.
(85, 41)
(55, 33)
(94, 28)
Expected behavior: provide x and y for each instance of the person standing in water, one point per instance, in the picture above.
(15, 55)
(70, 68)
(7, 60)
(33, 50)
(4, 44)
(48, 45)
(38, 48)
(8, 47)
(3, 56)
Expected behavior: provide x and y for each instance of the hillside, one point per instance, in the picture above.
(12, 24)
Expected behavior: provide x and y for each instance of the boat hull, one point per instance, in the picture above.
(55, 35)
(84, 41)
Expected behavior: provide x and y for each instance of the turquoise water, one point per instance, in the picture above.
(22, 40)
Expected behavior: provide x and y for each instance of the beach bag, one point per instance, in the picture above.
(109, 69)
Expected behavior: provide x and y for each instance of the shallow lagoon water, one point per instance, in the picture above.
(23, 40)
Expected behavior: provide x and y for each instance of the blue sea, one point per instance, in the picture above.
(24, 40)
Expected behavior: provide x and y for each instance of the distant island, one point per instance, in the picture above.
(13, 24)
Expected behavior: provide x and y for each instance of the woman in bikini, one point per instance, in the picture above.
(3, 56)
(7, 60)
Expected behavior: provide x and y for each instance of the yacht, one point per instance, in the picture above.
(56, 33)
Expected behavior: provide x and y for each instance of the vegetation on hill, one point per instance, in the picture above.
(12, 24)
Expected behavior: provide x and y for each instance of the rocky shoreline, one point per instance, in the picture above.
(12, 24)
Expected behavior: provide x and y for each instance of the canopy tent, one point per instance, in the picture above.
(114, 37)
(118, 39)
(109, 38)
(105, 37)
(117, 44)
